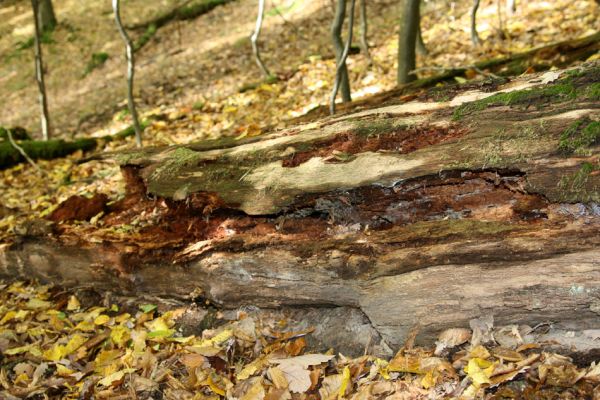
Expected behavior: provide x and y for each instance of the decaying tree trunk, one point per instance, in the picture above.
(464, 202)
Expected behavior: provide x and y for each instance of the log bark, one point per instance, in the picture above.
(426, 213)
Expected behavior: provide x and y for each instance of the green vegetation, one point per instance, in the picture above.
(146, 36)
(580, 136)
(97, 60)
(45, 38)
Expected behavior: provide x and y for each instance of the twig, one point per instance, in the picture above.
(23, 153)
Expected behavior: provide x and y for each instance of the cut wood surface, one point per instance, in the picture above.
(427, 213)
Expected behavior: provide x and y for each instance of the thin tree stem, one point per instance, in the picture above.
(39, 73)
(254, 39)
(342, 63)
(130, 74)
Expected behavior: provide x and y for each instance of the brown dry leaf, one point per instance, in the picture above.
(451, 338)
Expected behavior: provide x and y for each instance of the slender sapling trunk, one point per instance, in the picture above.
(338, 46)
(254, 39)
(342, 64)
(39, 73)
(130, 74)
(364, 27)
(474, 35)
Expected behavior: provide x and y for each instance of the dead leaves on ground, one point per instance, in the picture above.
(52, 346)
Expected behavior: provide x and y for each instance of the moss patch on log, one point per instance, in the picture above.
(580, 136)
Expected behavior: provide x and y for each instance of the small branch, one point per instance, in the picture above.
(342, 63)
(23, 153)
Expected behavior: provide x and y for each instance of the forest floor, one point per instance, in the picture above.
(197, 80)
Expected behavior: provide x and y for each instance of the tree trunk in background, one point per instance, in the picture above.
(45, 16)
(338, 46)
(39, 72)
(407, 39)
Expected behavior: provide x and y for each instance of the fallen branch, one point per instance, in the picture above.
(20, 150)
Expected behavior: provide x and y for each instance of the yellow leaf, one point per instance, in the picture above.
(58, 352)
(8, 316)
(115, 377)
(256, 391)
(211, 384)
(85, 326)
(216, 340)
(345, 382)
(73, 304)
(61, 370)
(37, 304)
(101, 319)
(21, 378)
(120, 335)
(478, 375)
(428, 380)
(17, 350)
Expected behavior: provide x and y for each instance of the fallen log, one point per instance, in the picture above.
(427, 213)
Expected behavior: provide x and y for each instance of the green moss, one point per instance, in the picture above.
(580, 136)
(97, 60)
(177, 161)
(555, 93)
(593, 91)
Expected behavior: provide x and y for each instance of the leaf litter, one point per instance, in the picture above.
(53, 346)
